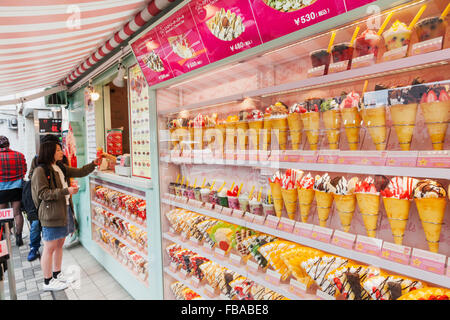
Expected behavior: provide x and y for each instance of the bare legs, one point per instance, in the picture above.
(51, 258)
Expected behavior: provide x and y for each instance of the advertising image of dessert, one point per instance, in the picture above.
(153, 61)
(226, 26)
(288, 5)
(181, 47)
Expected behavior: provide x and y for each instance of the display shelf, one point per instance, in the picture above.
(134, 182)
(413, 272)
(120, 215)
(281, 288)
(411, 63)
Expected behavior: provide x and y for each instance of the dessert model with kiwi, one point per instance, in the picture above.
(295, 124)
(332, 119)
(311, 121)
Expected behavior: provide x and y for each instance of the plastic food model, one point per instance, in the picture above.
(255, 124)
(430, 28)
(373, 114)
(368, 42)
(343, 52)
(305, 195)
(397, 36)
(279, 123)
(241, 130)
(289, 193)
(332, 120)
(344, 198)
(427, 293)
(275, 186)
(351, 119)
(324, 198)
(368, 198)
(311, 121)
(295, 125)
(321, 58)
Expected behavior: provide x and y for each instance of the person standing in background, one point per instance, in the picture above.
(13, 169)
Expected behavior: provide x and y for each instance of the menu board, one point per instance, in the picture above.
(205, 31)
(91, 137)
(140, 123)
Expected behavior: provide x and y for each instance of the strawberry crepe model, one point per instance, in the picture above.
(431, 199)
(435, 105)
(368, 42)
(332, 120)
(373, 113)
(324, 198)
(279, 124)
(255, 124)
(396, 199)
(344, 197)
(233, 201)
(295, 124)
(368, 198)
(305, 195)
(289, 190)
(351, 119)
(275, 186)
(311, 121)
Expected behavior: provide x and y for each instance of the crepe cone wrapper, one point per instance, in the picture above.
(290, 201)
(277, 198)
(345, 205)
(431, 212)
(198, 138)
(404, 120)
(311, 123)
(436, 115)
(191, 137)
(220, 136)
(241, 130)
(397, 211)
(254, 132)
(267, 133)
(324, 200)
(332, 121)
(375, 121)
(280, 129)
(352, 124)
(230, 135)
(180, 134)
(305, 199)
(173, 138)
(295, 129)
(369, 205)
(210, 137)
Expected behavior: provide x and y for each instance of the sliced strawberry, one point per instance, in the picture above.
(443, 297)
(432, 96)
(443, 96)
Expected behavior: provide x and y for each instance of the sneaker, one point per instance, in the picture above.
(65, 279)
(54, 285)
(33, 255)
(71, 242)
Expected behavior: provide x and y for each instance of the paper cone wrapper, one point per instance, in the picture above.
(305, 199)
(254, 133)
(295, 128)
(324, 200)
(220, 136)
(230, 135)
(436, 115)
(290, 201)
(209, 136)
(369, 205)
(431, 212)
(404, 120)
(311, 123)
(198, 138)
(397, 211)
(375, 122)
(241, 130)
(191, 137)
(345, 205)
(267, 133)
(280, 129)
(351, 120)
(173, 138)
(332, 121)
(277, 198)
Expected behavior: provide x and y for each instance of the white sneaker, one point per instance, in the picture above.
(62, 278)
(54, 285)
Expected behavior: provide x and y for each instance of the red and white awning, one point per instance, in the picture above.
(44, 43)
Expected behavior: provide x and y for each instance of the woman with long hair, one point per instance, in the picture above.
(51, 193)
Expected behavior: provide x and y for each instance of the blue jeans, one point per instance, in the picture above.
(35, 234)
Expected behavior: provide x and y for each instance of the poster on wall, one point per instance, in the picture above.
(225, 26)
(151, 57)
(91, 137)
(139, 123)
(182, 43)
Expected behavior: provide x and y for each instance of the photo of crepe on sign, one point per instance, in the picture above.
(288, 5)
(153, 61)
(226, 26)
(181, 47)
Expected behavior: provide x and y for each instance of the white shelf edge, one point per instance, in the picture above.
(413, 272)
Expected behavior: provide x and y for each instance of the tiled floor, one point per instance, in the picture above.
(93, 282)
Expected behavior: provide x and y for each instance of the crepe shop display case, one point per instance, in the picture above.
(316, 170)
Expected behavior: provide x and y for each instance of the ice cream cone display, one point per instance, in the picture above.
(305, 195)
(332, 121)
(209, 134)
(199, 130)
(351, 119)
(431, 199)
(324, 198)
(255, 124)
(230, 132)
(219, 132)
(289, 191)
(275, 187)
(435, 105)
(427, 293)
(374, 118)
(311, 122)
(397, 202)
(368, 199)
(242, 131)
(344, 198)
(267, 129)
(295, 125)
(279, 124)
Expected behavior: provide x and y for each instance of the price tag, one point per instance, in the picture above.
(237, 213)
(208, 205)
(218, 208)
(184, 235)
(427, 46)
(171, 230)
(363, 61)
(235, 259)
(3, 248)
(297, 288)
(321, 234)
(219, 252)
(207, 247)
(396, 252)
(173, 267)
(195, 203)
(227, 211)
(368, 245)
(209, 291)
(252, 266)
(194, 240)
(343, 239)
(428, 261)
(258, 219)
(273, 277)
(6, 214)
(249, 217)
(183, 273)
(338, 66)
(324, 296)
(195, 282)
(303, 229)
(286, 224)
(271, 221)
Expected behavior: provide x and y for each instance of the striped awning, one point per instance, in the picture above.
(45, 43)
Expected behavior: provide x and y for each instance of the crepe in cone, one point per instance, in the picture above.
(230, 132)
(375, 121)
(241, 131)
(431, 199)
(255, 124)
(277, 198)
(404, 120)
(219, 141)
(397, 211)
(267, 132)
(332, 121)
(295, 125)
(191, 136)
(311, 123)
(369, 208)
(345, 205)
(351, 119)
(324, 200)
(305, 199)
(280, 129)
(435, 106)
(290, 201)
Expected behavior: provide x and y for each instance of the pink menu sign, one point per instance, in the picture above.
(182, 43)
(226, 26)
(278, 18)
(150, 55)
